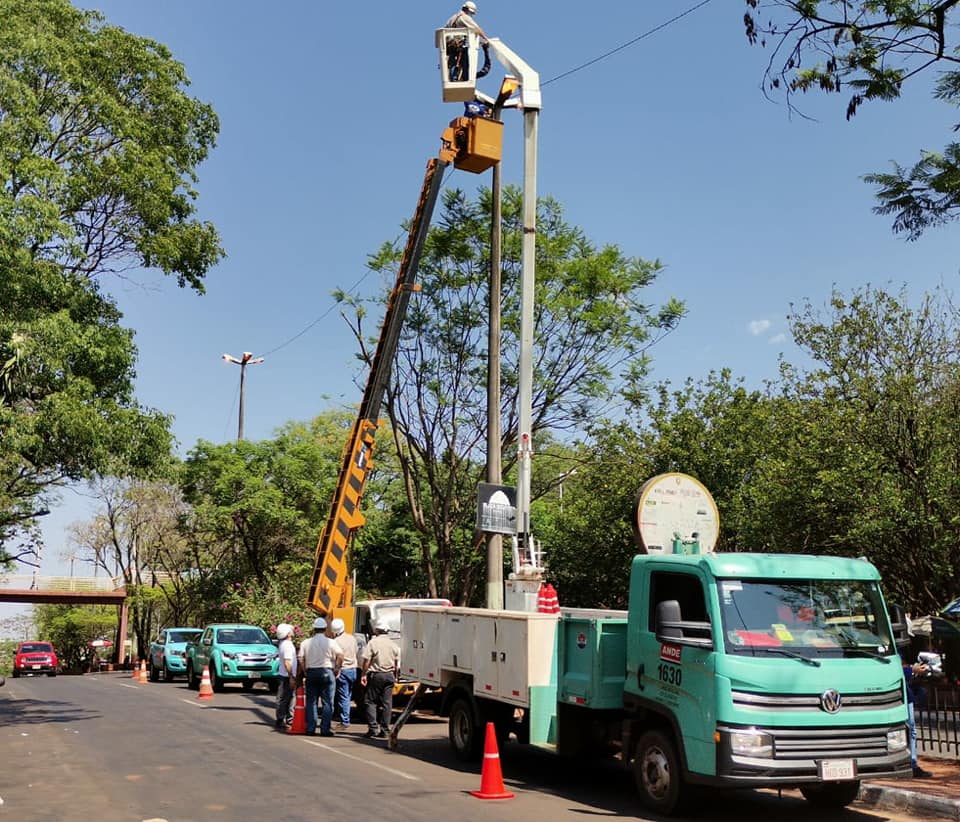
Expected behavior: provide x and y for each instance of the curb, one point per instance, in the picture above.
(898, 799)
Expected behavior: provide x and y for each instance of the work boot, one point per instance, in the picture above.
(920, 773)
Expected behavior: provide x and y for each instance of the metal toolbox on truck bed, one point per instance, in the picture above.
(504, 652)
(593, 657)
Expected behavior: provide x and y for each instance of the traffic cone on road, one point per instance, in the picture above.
(299, 724)
(206, 689)
(142, 673)
(136, 671)
(491, 779)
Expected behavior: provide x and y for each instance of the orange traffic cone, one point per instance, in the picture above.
(547, 601)
(206, 689)
(299, 724)
(491, 779)
(136, 671)
(142, 673)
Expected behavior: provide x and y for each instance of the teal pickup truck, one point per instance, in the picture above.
(233, 652)
(168, 653)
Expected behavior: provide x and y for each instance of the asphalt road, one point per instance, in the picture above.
(103, 747)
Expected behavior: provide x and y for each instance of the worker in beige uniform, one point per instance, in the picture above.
(379, 671)
(348, 673)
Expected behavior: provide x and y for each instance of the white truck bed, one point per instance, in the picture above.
(504, 652)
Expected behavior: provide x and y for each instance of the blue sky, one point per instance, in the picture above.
(668, 148)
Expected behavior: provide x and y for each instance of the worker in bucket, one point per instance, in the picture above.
(458, 68)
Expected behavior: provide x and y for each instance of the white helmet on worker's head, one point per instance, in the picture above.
(319, 624)
(284, 630)
(337, 627)
(469, 7)
(382, 626)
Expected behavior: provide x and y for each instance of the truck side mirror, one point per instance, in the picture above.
(671, 628)
(898, 624)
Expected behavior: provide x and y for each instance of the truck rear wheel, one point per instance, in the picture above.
(831, 794)
(464, 734)
(656, 769)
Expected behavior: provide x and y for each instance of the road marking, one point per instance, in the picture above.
(124, 685)
(192, 702)
(337, 751)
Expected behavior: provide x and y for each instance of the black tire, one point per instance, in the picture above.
(193, 681)
(215, 682)
(273, 685)
(833, 795)
(656, 770)
(465, 737)
(247, 684)
(167, 673)
(16, 674)
(51, 673)
(153, 673)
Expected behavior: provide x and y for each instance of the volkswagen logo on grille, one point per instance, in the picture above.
(830, 701)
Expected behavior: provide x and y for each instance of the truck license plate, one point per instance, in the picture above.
(837, 770)
(253, 675)
(35, 667)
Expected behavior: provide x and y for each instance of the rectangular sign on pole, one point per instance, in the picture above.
(496, 508)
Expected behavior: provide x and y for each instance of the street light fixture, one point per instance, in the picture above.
(243, 362)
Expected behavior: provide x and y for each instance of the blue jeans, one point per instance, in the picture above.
(912, 733)
(344, 691)
(319, 685)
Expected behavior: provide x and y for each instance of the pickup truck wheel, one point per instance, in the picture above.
(167, 673)
(831, 794)
(215, 682)
(656, 769)
(154, 673)
(464, 734)
(193, 681)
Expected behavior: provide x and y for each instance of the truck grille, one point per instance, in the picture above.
(811, 702)
(816, 743)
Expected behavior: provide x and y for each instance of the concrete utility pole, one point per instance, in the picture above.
(243, 362)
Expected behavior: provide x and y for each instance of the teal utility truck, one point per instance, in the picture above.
(727, 670)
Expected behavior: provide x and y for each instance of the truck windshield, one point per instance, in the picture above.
(813, 618)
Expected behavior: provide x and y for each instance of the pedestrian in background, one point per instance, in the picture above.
(286, 677)
(909, 672)
(320, 659)
(381, 668)
(348, 673)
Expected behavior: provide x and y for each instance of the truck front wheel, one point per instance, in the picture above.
(193, 681)
(656, 769)
(464, 734)
(831, 794)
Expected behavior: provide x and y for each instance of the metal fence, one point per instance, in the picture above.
(31, 582)
(937, 716)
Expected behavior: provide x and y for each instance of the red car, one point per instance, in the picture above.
(35, 658)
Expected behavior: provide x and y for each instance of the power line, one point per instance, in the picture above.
(637, 39)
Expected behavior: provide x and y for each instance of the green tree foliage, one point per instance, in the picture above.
(592, 334)
(870, 50)
(72, 627)
(258, 505)
(99, 146)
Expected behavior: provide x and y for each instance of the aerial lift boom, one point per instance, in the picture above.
(470, 145)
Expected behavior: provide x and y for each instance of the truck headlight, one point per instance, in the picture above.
(229, 655)
(897, 739)
(751, 743)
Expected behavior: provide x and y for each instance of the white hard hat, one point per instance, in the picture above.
(382, 625)
(284, 630)
(469, 7)
(319, 624)
(338, 627)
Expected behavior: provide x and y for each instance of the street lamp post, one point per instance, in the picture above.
(243, 362)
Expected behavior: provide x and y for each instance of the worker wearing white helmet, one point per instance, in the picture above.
(286, 676)
(320, 661)
(348, 673)
(457, 53)
(380, 670)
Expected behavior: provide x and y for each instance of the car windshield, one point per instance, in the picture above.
(36, 647)
(812, 618)
(242, 636)
(183, 636)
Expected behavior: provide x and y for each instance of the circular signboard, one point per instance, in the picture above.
(672, 506)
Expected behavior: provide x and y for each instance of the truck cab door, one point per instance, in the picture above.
(677, 662)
